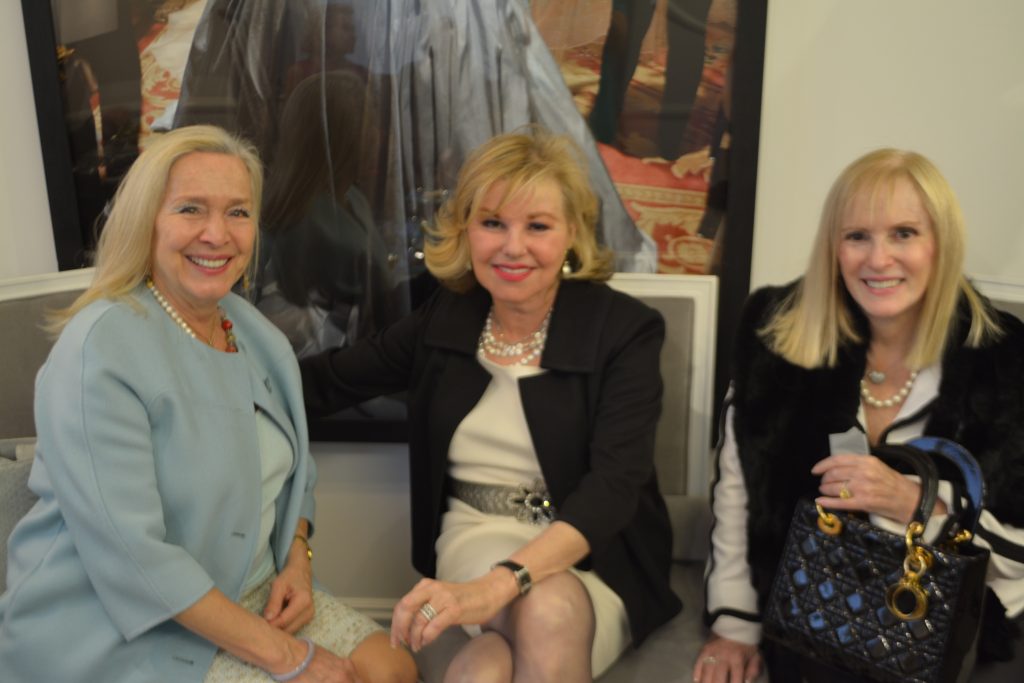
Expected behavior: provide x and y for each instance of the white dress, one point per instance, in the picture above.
(492, 445)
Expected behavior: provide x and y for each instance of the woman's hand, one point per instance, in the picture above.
(290, 605)
(473, 602)
(865, 483)
(727, 661)
(327, 667)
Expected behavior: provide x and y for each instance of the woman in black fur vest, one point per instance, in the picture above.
(882, 340)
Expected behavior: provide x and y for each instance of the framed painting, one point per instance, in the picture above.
(671, 91)
(362, 131)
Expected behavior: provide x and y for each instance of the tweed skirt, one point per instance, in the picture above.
(335, 627)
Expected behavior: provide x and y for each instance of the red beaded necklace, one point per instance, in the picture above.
(225, 324)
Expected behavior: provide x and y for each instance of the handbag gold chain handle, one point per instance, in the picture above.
(917, 562)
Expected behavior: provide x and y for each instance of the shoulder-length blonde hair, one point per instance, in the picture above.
(816, 321)
(124, 254)
(520, 159)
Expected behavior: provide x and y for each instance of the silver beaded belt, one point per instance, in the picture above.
(526, 502)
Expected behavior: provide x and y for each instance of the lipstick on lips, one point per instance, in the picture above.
(512, 272)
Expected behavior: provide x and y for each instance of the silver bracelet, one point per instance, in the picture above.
(303, 665)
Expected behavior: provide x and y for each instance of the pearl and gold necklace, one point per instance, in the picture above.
(894, 400)
(526, 349)
(225, 324)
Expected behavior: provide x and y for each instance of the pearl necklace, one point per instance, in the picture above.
(895, 400)
(225, 324)
(526, 349)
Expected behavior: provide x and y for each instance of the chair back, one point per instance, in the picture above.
(24, 303)
(683, 445)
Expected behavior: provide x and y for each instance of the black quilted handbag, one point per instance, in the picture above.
(882, 606)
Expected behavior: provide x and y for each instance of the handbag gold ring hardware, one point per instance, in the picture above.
(827, 522)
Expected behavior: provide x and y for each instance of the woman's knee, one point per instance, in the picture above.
(484, 659)
(377, 662)
(558, 605)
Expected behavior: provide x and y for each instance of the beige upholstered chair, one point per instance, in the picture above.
(24, 345)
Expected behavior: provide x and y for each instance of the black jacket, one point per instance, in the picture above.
(592, 419)
(783, 415)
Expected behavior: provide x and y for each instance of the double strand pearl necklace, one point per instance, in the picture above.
(894, 400)
(225, 324)
(527, 349)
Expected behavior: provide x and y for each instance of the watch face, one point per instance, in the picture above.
(523, 580)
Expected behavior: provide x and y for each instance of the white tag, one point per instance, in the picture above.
(854, 441)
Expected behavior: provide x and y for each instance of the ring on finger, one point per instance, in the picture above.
(844, 491)
(428, 611)
(711, 659)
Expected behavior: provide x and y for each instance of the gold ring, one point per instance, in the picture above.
(844, 491)
(428, 612)
(711, 659)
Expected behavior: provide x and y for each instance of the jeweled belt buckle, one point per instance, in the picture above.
(532, 503)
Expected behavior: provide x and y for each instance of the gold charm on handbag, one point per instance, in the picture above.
(917, 562)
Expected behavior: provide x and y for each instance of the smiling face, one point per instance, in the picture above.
(517, 250)
(204, 233)
(886, 253)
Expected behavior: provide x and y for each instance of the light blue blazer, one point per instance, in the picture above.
(148, 476)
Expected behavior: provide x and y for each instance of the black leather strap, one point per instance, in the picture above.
(974, 482)
(521, 573)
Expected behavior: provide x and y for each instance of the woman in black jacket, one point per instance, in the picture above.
(534, 391)
(881, 341)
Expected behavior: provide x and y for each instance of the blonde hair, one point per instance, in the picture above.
(815, 321)
(522, 160)
(124, 254)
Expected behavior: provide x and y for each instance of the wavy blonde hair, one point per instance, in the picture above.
(522, 160)
(124, 254)
(815, 321)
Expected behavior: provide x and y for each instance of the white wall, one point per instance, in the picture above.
(26, 235)
(943, 77)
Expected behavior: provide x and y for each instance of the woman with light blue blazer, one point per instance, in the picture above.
(175, 483)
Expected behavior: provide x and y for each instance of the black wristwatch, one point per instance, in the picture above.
(521, 574)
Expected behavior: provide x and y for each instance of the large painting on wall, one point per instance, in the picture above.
(363, 111)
